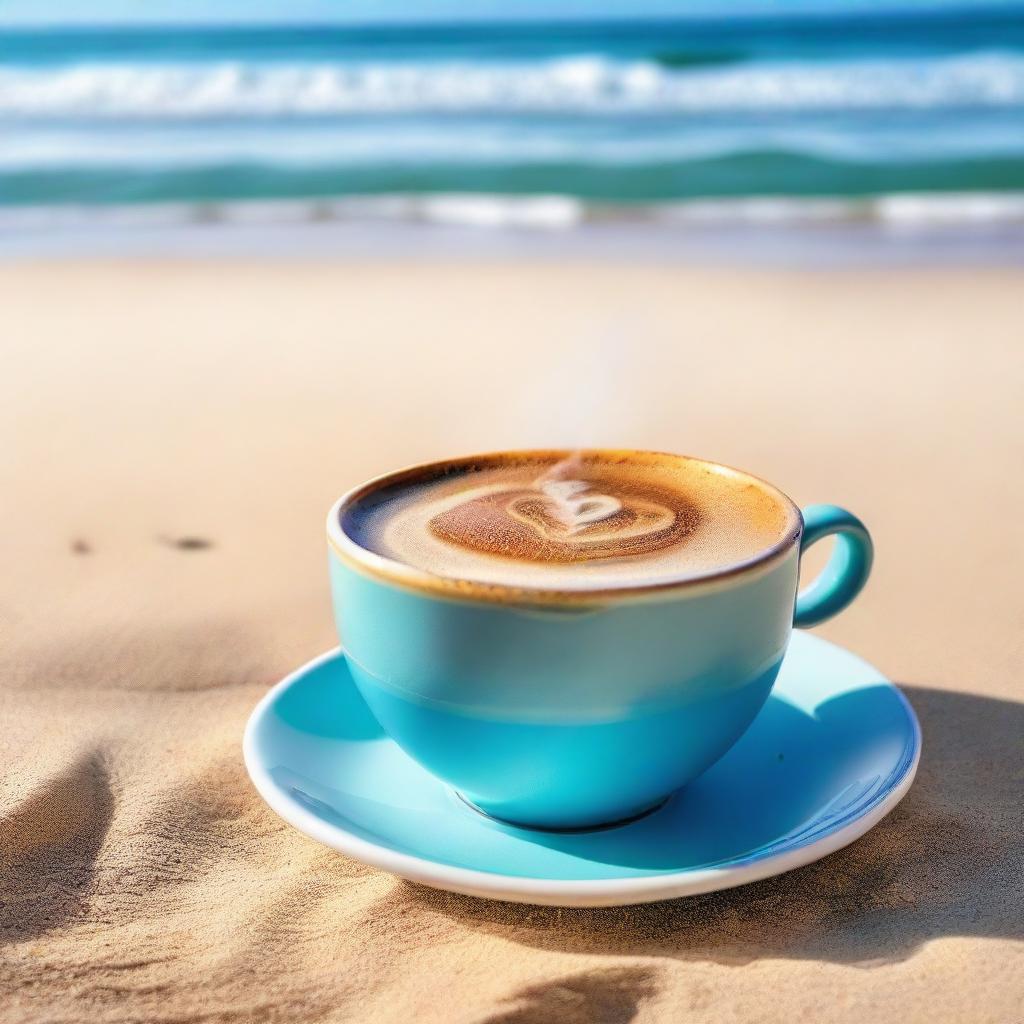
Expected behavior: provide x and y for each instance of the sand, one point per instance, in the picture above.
(172, 435)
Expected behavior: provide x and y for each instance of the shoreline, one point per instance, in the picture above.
(924, 231)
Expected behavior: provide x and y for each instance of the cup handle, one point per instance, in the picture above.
(847, 570)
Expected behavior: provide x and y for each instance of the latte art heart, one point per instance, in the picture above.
(564, 521)
(590, 518)
(574, 505)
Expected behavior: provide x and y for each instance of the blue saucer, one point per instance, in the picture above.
(832, 752)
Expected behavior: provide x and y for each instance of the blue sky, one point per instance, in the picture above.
(57, 12)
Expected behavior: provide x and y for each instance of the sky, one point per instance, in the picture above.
(347, 12)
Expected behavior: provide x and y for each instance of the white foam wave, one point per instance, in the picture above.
(914, 211)
(579, 84)
(536, 213)
(902, 212)
(483, 211)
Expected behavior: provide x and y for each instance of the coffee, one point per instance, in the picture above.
(570, 521)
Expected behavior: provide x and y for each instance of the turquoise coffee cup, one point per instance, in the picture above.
(572, 710)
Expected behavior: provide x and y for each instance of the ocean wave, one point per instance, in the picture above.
(584, 85)
(908, 212)
(464, 142)
(723, 177)
(699, 57)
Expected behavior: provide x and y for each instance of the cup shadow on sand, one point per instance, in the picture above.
(948, 861)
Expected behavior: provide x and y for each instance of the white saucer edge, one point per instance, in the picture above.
(554, 892)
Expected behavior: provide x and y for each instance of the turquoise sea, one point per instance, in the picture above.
(588, 119)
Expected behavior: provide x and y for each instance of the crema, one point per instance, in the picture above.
(583, 520)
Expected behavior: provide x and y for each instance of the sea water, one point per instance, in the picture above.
(536, 125)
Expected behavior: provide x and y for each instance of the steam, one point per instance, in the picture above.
(586, 393)
(580, 399)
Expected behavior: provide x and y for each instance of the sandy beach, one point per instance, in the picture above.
(173, 434)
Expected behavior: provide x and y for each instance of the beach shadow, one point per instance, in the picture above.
(948, 861)
(611, 996)
(49, 845)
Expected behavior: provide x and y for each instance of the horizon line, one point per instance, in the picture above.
(953, 9)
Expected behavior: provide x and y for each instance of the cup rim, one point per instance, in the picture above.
(409, 577)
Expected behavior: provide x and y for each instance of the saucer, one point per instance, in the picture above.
(834, 749)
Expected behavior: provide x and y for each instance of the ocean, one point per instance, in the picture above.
(533, 125)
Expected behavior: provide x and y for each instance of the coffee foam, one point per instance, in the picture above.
(591, 520)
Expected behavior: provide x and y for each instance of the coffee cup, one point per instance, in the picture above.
(567, 638)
